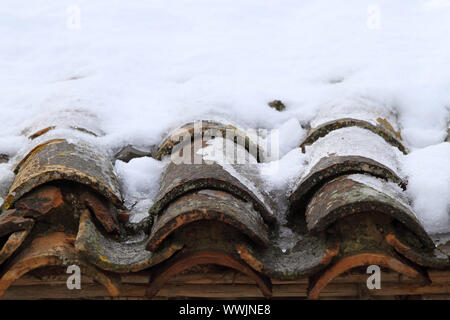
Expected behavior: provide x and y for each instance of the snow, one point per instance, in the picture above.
(429, 186)
(353, 141)
(133, 71)
(355, 107)
(290, 136)
(283, 173)
(137, 179)
(280, 178)
(6, 179)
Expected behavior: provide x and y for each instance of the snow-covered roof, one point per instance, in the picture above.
(323, 138)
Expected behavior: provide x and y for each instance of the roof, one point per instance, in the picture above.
(214, 222)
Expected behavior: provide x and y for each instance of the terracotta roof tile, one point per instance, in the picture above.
(348, 210)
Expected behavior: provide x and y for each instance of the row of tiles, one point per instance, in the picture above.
(347, 210)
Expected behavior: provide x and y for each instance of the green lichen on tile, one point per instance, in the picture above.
(61, 160)
(209, 205)
(344, 197)
(331, 167)
(180, 179)
(115, 255)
